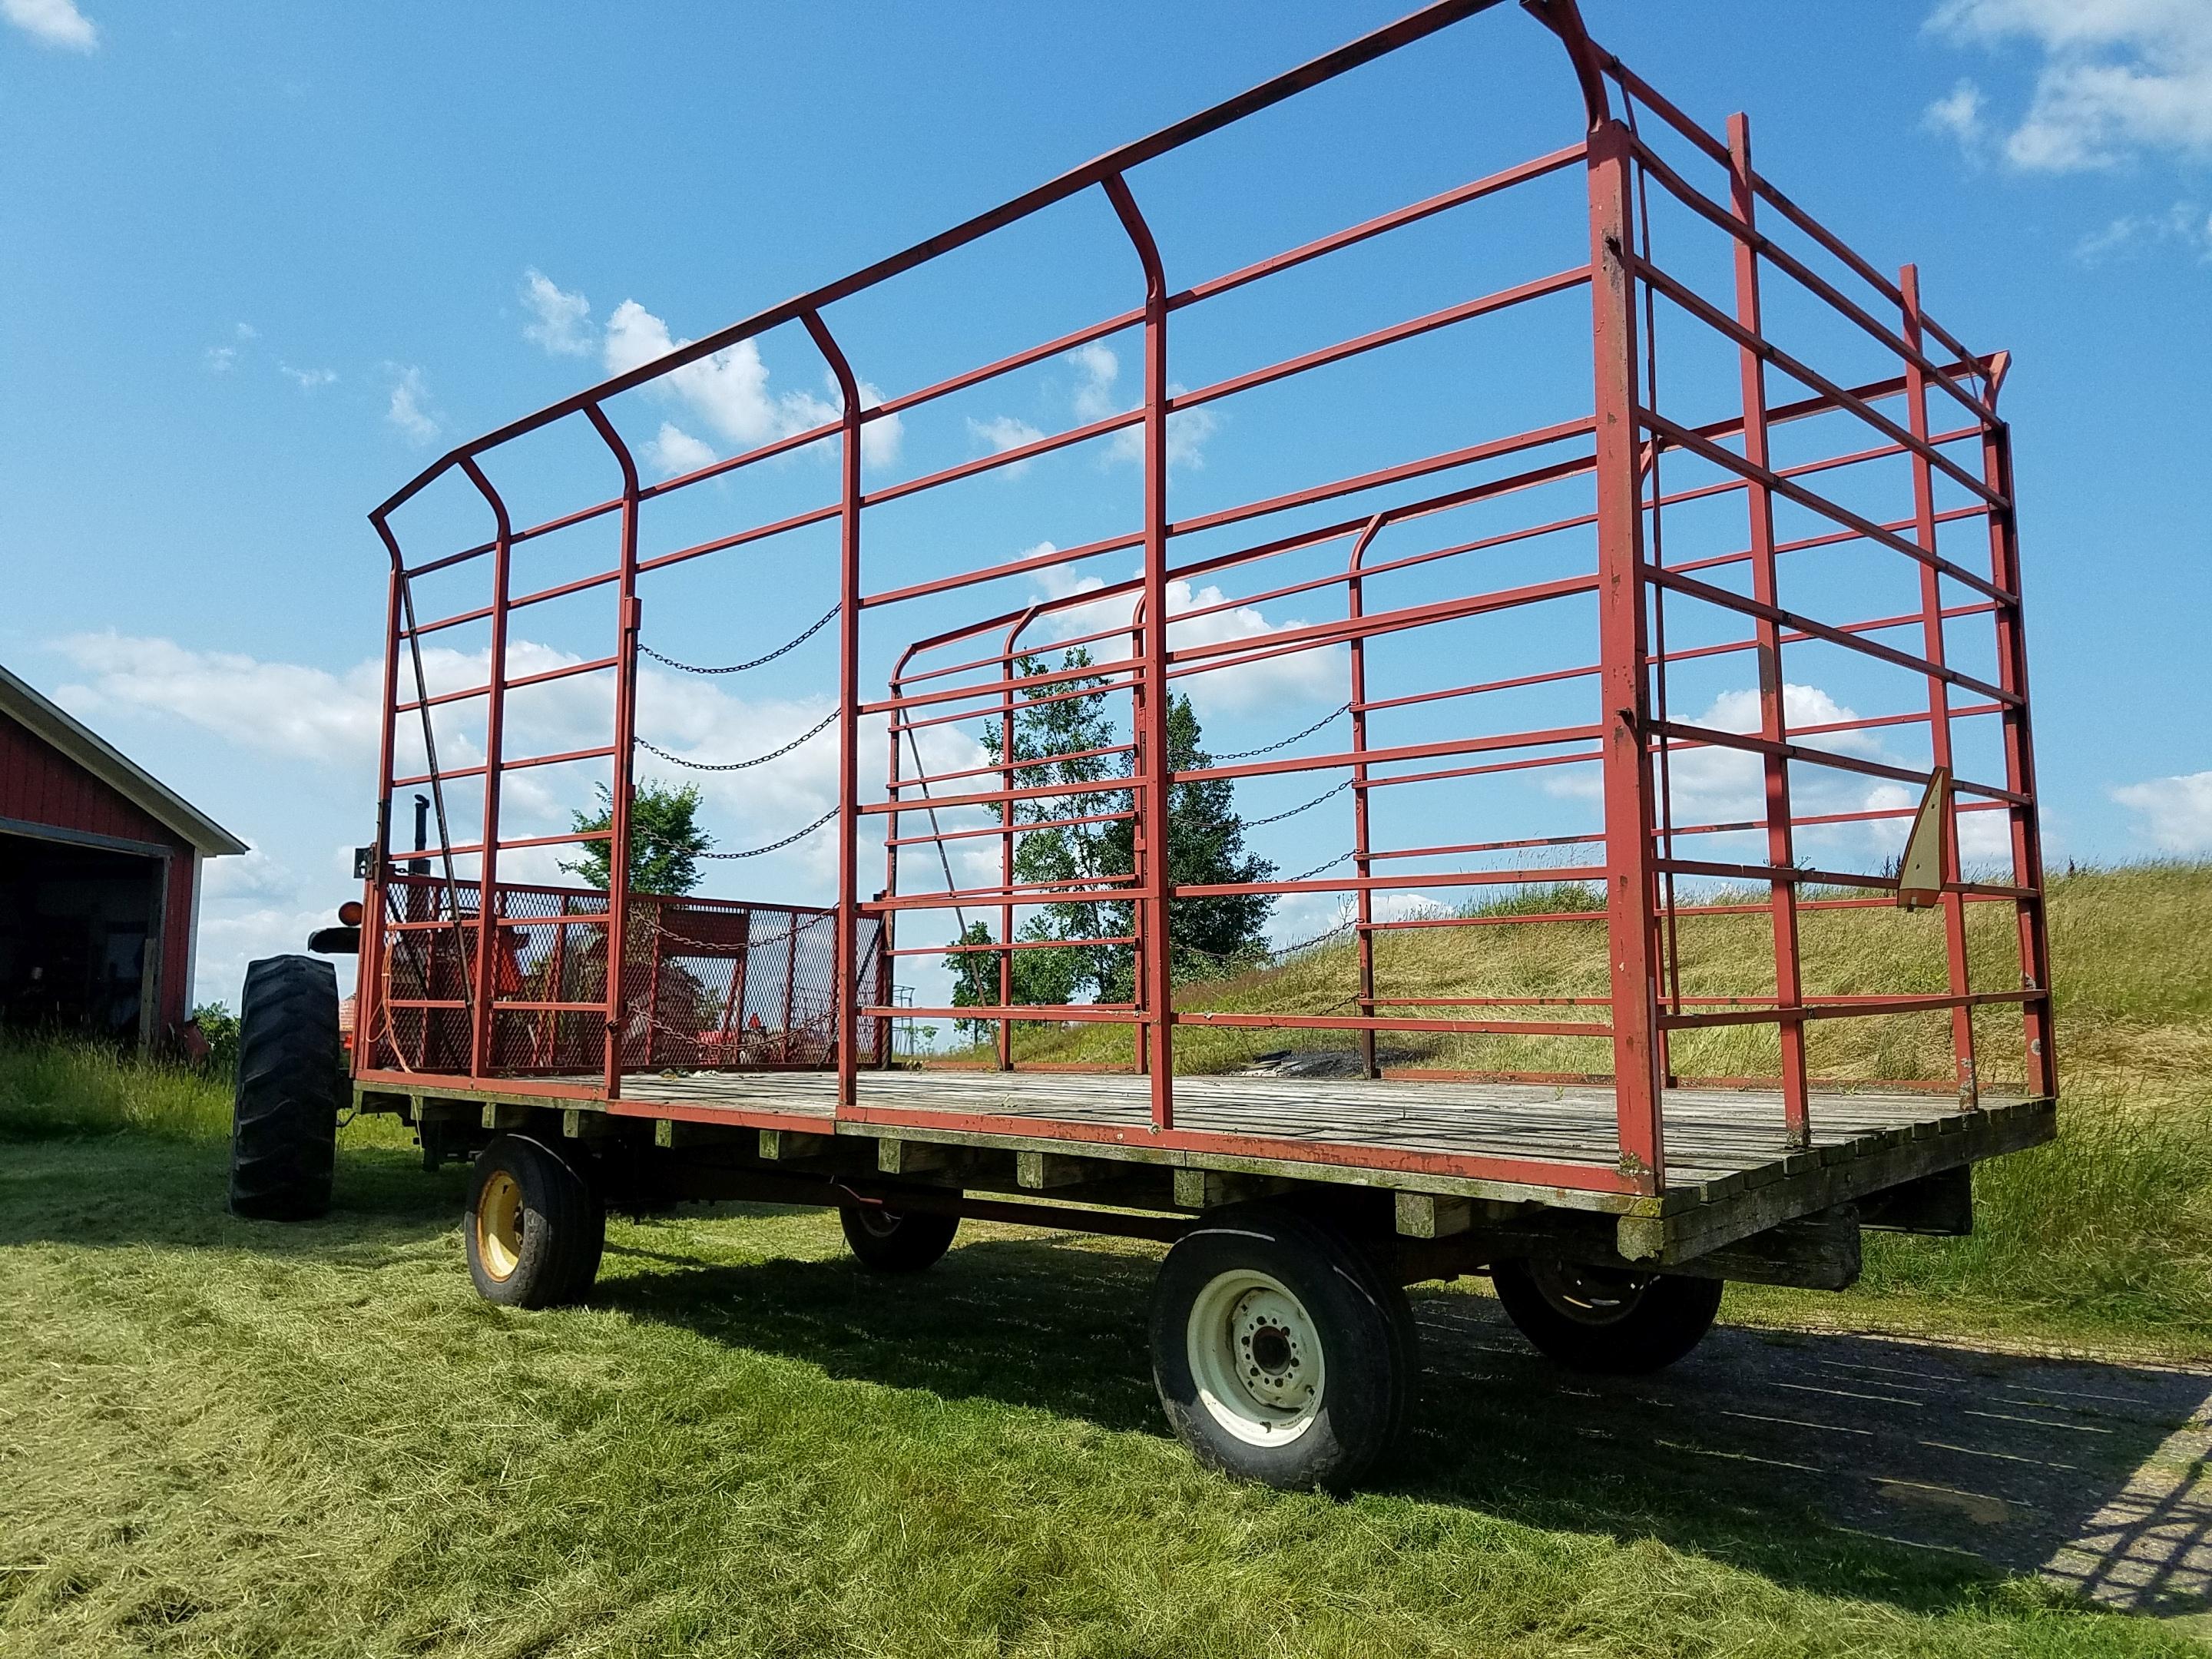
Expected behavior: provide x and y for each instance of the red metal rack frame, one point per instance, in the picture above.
(1935, 410)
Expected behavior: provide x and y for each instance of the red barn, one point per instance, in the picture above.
(100, 865)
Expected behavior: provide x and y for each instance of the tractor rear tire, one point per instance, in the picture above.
(889, 1241)
(284, 1118)
(1603, 1321)
(535, 1228)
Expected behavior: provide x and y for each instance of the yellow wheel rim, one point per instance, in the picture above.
(499, 1224)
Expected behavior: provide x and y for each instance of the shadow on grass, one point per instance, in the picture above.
(106, 1191)
(1899, 1471)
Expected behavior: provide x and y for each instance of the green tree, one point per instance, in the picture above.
(665, 839)
(1056, 731)
(1207, 937)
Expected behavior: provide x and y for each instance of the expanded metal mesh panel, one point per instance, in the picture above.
(707, 984)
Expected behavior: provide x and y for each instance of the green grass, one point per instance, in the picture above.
(223, 1438)
(56, 1089)
(227, 1437)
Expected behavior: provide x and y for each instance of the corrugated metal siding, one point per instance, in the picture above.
(39, 785)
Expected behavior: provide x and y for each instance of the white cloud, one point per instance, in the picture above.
(252, 877)
(323, 724)
(270, 708)
(2185, 225)
(2119, 77)
(1095, 397)
(1957, 115)
(2177, 811)
(222, 359)
(728, 390)
(560, 318)
(53, 22)
(672, 450)
(308, 379)
(1002, 433)
(1718, 785)
(407, 411)
(1097, 369)
(291, 712)
(1293, 678)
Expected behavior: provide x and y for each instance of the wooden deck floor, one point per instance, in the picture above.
(1718, 1141)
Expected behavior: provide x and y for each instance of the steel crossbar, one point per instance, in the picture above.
(1487, 609)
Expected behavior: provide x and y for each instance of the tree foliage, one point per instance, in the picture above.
(665, 839)
(1057, 729)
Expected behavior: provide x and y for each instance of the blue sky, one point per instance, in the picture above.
(263, 262)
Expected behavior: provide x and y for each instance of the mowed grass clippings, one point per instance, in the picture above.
(226, 1438)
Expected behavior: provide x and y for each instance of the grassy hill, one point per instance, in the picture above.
(2130, 966)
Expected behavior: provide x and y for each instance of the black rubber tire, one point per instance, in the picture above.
(1357, 1315)
(550, 1255)
(284, 1116)
(889, 1241)
(1651, 1328)
(1380, 1255)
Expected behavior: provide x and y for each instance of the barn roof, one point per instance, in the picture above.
(53, 725)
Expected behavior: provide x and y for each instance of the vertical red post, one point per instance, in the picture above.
(1155, 953)
(487, 948)
(368, 989)
(884, 932)
(1631, 894)
(622, 788)
(844, 1007)
(2019, 758)
(1004, 1035)
(1139, 852)
(1939, 696)
(1773, 711)
(1362, 856)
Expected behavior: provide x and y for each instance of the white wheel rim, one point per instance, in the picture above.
(1257, 1358)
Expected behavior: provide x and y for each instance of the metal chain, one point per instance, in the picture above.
(1246, 754)
(1279, 951)
(1332, 863)
(750, 943)
(815, 731)
(740, 667)
(1254, 824)
(774, 846)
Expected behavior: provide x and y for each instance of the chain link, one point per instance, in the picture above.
(1254, 824)
(1246, 754)
(774, 846)
(740, 667)
(1330, 865)
(1278, 952)
(816, 731)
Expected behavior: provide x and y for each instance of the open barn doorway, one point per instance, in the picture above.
(80, 931)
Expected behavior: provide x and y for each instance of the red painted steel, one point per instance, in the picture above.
(478, 982)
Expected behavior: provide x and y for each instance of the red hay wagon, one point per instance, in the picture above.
(1602, 671)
